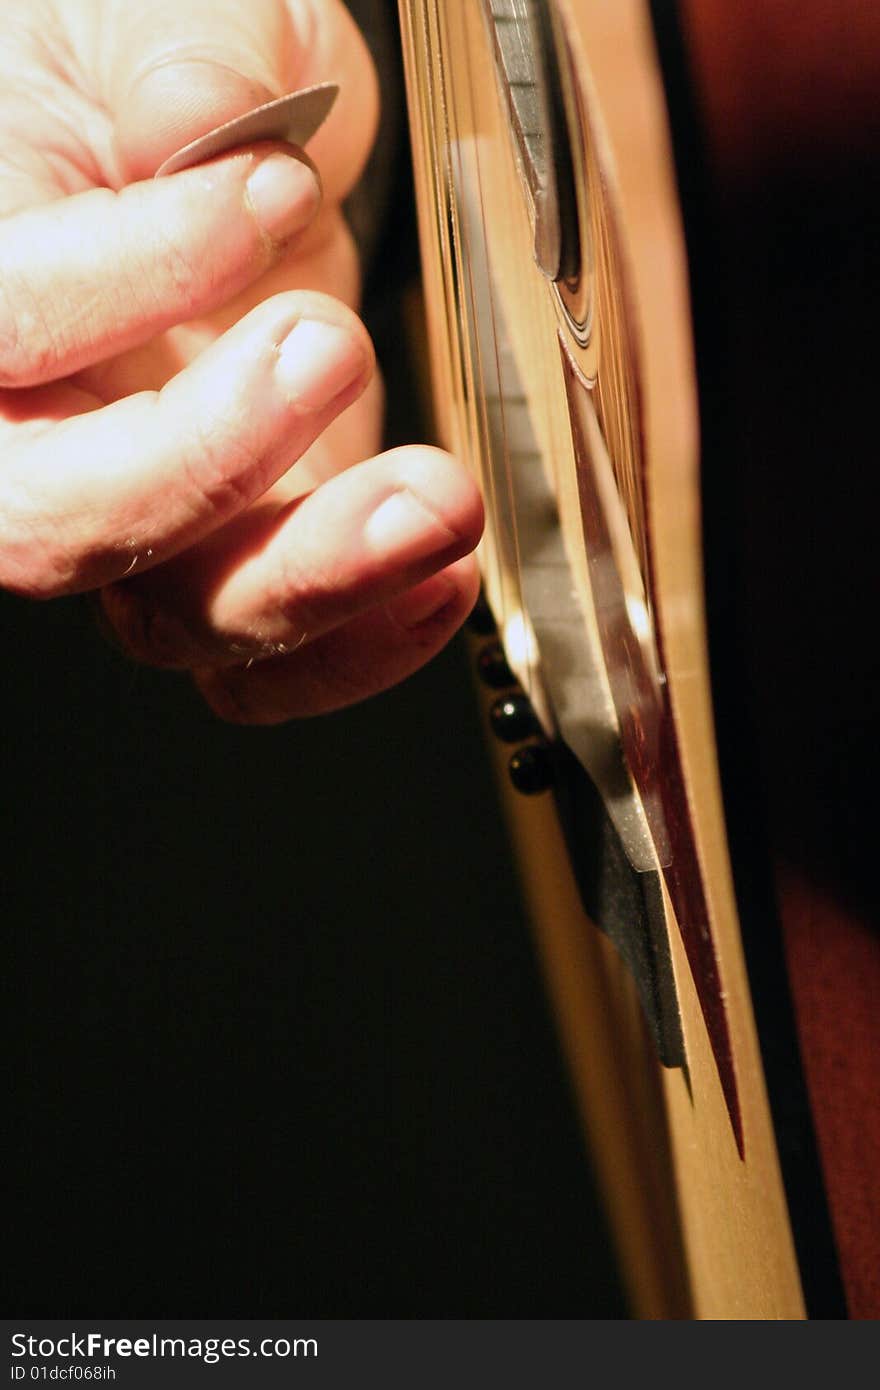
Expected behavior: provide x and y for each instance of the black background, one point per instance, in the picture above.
(277, 1039)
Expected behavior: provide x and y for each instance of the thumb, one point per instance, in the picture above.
(178, 68)
(181, 67)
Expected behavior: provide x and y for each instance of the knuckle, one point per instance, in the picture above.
(47, 552)
(28, 570)
(29, 352)
(301, 596)
(134, 625)
(35, 562)
(219, 471)
(336, 676)
(169, 276)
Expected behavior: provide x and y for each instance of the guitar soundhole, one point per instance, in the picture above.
(526, 50)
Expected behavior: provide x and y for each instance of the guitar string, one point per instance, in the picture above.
(511, 537)
(449, 178)
(469, 324)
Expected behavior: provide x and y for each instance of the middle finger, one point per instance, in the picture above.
(278, 578)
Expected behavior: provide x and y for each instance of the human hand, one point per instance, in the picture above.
(169, 348)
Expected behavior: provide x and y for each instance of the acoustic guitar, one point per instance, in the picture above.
(645, 234)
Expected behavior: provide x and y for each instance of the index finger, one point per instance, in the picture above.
(85, 495)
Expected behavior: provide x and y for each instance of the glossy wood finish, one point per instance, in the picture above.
(734, 1218)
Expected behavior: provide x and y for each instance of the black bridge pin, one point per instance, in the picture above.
(492, 667)
(531, 769)
(512, 718)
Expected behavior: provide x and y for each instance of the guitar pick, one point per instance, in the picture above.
(293, 118)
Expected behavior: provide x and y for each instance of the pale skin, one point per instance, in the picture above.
(189, 411)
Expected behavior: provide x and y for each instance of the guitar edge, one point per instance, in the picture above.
(700, 1221)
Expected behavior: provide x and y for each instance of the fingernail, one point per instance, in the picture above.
(426, 601)
(318, 361)
(404, 527)
(284, 193)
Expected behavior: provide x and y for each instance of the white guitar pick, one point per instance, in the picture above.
(293, 118)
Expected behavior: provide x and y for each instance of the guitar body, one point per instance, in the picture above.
(576, 351)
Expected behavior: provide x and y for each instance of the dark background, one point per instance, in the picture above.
(277, 1042)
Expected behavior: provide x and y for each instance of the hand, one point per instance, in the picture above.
(169, 348)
